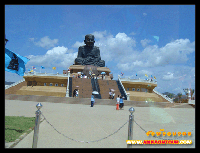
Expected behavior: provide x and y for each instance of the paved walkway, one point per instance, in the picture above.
(86, 123)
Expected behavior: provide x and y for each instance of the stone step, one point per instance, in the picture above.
(86, 101)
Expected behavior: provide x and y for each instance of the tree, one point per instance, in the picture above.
(170, 95)
(179, 95)
(191, 92)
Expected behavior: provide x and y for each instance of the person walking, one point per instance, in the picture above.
(121, 103)
(92, 100)
(117, 104)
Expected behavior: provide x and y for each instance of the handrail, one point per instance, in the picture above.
(138, 80)
(166, 98)
(14, 84)
(95, 87)
(122, 86)
(45, 74)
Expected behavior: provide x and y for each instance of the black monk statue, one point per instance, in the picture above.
(89, 54)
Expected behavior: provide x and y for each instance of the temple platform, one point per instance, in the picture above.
(74, 69)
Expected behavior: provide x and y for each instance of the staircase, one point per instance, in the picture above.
(14, 84)
(122, 91)
(13, 88)
(145, 96)
(86, 101)
(163, 96)
(105, 86)
(85, 87)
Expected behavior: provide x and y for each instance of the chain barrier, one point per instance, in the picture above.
(154, 135)
(103, 137)
(83, 141)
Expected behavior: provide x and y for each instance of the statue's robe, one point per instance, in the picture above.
(88, 55)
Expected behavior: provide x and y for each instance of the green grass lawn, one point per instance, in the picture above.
(16, 126)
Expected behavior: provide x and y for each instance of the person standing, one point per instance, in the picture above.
(117, 104)
(92, 100)
(110, 94)
(121, 102)
(74, 93)
(113, 95)
(77, 93)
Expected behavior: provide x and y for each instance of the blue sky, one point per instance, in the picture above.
(49, 35)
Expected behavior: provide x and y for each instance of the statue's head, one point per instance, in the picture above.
(89, 40)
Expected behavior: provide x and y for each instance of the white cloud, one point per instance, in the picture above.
(31, 39)
(169, 76)
(122, 49)
(57, 51)
(144, 14)
(175, 52)
(123, 67)
(145, 42)
(137, 63)
(78, 44)
(45, 42)
(112, 47)
(58, 56)
(143, 72)
(99, 35)
(132, 33)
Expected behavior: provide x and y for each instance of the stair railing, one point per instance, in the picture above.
(122, 87)
(95, 87)
(166, 98)
(14, 84)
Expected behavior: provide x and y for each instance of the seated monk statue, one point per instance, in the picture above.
(89, 54)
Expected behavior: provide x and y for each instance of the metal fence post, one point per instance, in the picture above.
(130, 126)
(37, 123)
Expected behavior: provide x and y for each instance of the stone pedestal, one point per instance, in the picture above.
(74, 69)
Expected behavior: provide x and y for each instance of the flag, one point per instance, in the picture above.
(15, 63)
(146, 75)
(122, 74)
(42, 67)
(34, 67)
(29, 70)
(154, 77)
(54, 68)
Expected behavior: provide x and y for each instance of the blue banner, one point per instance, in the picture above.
(15, 63)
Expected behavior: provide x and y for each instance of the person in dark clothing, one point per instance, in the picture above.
(92, 100)
(74, 92)
(121, 102)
